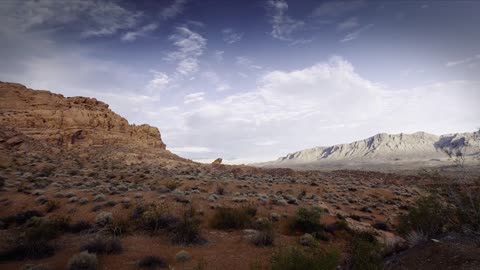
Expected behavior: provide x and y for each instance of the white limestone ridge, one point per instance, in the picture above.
(390, 147)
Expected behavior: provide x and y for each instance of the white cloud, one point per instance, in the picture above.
(283, 26)
(463, 61)
(230, 36)
(175, 9)
(190, 46)
(355, 34)
(193, 97)
(142, 31)
(348, 24)
(159, 81)
(322, 104)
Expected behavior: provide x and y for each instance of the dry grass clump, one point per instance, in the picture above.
(306, 220)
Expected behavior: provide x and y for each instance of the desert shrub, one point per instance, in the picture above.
(103, 245)
(2, 182)
(414, 238)
(220, 190)
(152, 262)
(172, 185)
(83, 201)
(292, 258)
(265, 234)
(119, 227)
(99, 198)
(366, 252)
(381, 226)
(20, 249)
(82, 261)
(187, 229)
(428, 215)
(153, 217)
(46, 171)
(226, 218)
(467, 210)
(183, 256)
(104, 218)
(42, 230)
(96, 208)
(79, 226)
(51, 206)
(22, 217)
(306, 220)
(33, 242)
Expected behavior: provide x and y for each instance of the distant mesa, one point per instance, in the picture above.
(386, 148)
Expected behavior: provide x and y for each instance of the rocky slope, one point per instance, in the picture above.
(387, 148)
(70, 122)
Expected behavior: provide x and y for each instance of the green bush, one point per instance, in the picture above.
(467, 210)
(226, 218)
(366, 252)
(187, 229)
(33, 242)
(153, 217)
(306, 220)
(292, 258)
(428, 215)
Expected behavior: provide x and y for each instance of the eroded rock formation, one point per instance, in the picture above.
(70, 122)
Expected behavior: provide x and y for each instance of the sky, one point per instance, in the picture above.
(251, 81)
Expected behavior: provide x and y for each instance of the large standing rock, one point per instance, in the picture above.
(69, 122)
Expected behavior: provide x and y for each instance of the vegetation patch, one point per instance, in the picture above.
(226, 218)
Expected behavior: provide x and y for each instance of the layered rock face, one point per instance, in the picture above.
(70, 122)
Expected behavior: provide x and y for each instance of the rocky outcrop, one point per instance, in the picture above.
(70, 122)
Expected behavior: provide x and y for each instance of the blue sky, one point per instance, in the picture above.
(254, 80)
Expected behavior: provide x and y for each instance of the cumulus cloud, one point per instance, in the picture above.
(283, 26)
(322, 104)
(355, 34)
(230, 36)
(142, 31)
(190, 46)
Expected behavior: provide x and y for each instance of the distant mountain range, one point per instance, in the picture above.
(419, 148)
